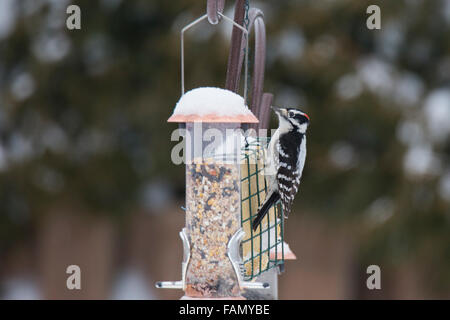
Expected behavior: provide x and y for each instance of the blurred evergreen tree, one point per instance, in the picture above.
(83, 112)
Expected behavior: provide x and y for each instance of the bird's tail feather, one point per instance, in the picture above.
(274, 197)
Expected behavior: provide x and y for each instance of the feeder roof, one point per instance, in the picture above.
(209, 104)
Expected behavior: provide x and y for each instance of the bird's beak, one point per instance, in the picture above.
(279, 111)
(275, 109)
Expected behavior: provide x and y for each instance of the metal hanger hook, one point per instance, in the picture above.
(213, 10)
(190, 25)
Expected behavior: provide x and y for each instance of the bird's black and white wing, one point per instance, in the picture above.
(290, 167)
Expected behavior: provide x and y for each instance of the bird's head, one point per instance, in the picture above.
(292, 118)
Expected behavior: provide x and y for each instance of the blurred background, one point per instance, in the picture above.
(85, 170)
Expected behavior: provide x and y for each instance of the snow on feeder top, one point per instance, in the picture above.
(213, 105)
(212, 263)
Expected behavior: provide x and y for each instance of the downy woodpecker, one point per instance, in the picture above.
(285, 160)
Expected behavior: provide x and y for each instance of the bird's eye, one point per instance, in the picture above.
(291, 114)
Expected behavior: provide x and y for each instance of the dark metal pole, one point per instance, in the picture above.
(232, 79)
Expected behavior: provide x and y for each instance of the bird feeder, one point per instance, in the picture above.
(216, 263)
(212, 261)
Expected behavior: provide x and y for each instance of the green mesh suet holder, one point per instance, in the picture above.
(261, 249)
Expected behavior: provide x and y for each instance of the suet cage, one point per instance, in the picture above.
(263, 248)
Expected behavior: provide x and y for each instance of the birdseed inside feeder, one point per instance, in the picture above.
(213, 198)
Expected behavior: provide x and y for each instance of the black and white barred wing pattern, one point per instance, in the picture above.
(289, 173)
(288, 185)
